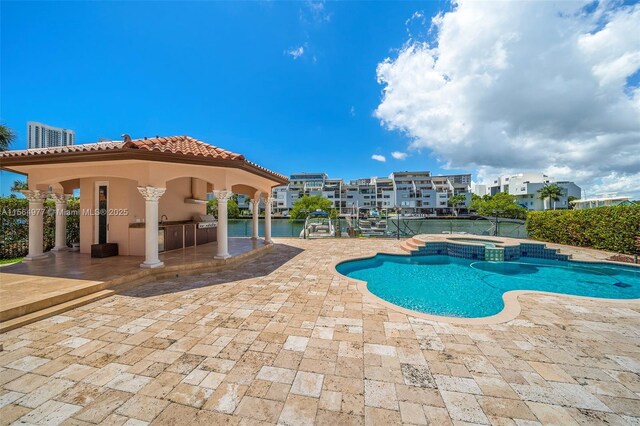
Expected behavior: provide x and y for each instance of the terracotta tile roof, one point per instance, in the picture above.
(180, 145)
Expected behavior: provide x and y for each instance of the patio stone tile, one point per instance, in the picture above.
(552, 414)
(142, 408)
(175, 414)
(507, 408)
(418, 375)
(7, 398)
(226, 398)
(380, 416)
(437, 415)
(45, 393)
(577, 396)
(457, 384)
(296, 343)
(330, 400)
(298, 410)
(194, 396)
(74, 342)
(128, 382)
(464, 407)
(380, 394)
(81, 394)
(105, 404)
(51, 412)
(207, 418)
(26, 383)
(259, 409)
(212, 380)
(27, 363)
(11, 413)
(276, 374)
(330, 418)
(412, 413)
(307, 384)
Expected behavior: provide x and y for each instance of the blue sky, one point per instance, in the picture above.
(482, 87)
(218, 71)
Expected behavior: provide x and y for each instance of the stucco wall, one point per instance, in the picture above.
(123, 194)
(172, 202)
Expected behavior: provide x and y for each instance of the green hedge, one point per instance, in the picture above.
(606, 228)
(14, 226)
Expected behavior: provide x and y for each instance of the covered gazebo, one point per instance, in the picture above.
(145, 195)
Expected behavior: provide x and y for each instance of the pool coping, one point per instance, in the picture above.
(512, 307)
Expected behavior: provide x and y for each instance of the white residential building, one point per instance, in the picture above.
(413, 192)
(43, 136)
(525, 187)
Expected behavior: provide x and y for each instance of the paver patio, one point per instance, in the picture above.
(298, 344)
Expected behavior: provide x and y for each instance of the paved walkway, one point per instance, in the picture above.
(284, 339)
(29, 286)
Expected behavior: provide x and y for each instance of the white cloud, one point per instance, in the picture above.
(314, 12)
(524, 86)
(399, 155)
(296, 52)
(352, 111)
(380, 158)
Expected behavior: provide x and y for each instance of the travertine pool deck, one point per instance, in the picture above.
(285, 339)
(31, 286)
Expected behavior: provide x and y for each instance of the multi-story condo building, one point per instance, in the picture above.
(412, 192)
(525, 187)
(43, 136)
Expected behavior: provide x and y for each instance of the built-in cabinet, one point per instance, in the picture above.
(190, 236)
(174, 237)
(171, 237)
(206, 235)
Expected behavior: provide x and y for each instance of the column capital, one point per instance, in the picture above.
(60, 198)
(35, 196)
(256, 201)
(151, 193)
(223, 195)
(268, 198)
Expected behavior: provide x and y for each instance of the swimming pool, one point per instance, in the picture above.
(458, 287)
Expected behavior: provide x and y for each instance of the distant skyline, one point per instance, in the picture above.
(353, 89)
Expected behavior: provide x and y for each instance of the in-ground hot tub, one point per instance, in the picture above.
(486, 243)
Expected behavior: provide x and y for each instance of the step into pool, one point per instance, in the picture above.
(458, 287)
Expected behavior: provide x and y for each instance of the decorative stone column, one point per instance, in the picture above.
(36, 224)
(255, 205)
(223, 242)
(151, 195)
(267, 219)
(61, 220)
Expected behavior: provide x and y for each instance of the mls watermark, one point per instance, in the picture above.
(64, 212)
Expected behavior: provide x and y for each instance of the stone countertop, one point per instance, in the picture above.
(163, 224)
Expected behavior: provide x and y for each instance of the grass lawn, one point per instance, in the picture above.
(8, 261)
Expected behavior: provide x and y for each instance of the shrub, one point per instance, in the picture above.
(14, 226)
(607, 228)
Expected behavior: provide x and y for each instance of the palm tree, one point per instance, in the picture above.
(6, 137)
(19, 185)
(550, 192)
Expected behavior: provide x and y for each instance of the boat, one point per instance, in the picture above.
(372, 226)
(318, 224)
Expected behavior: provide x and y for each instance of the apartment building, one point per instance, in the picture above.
(525, 187)
(413, 192)
(44, 136)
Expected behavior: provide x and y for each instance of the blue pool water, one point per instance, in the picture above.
(451, 286)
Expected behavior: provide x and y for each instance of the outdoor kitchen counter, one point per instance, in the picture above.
(172, 235)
